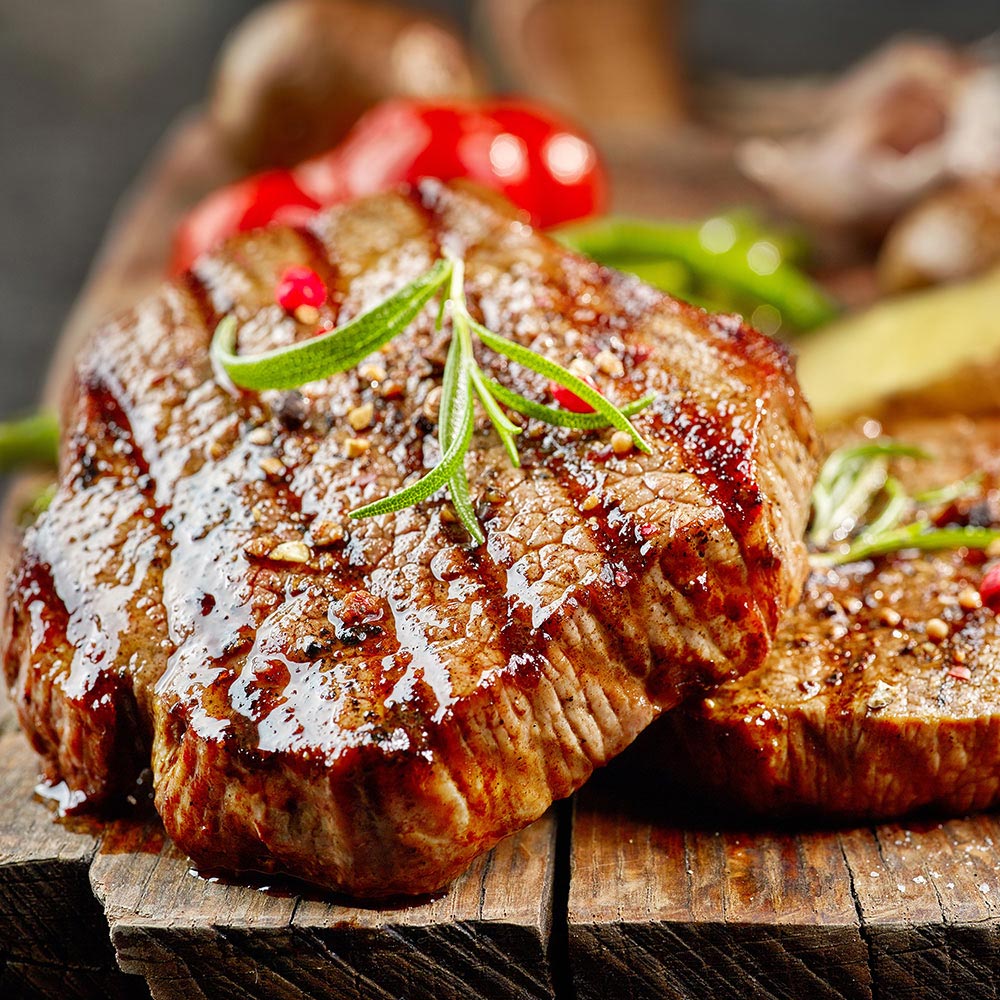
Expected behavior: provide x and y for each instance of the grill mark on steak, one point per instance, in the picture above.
(315, 257)
(710, 454)
(198, 289)
(720, 453)
(720, 447)
(627, 548)
(416, 697)
(624, 554)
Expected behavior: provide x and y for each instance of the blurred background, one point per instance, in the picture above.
(87, 89)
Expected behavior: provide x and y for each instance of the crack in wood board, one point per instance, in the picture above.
(907, 910)
(929, 896)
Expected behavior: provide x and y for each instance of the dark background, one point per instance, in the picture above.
(87, 87)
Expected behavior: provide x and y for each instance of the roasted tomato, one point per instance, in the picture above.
(537, 160)
(541, 163)
(564, 178)
(272, 196)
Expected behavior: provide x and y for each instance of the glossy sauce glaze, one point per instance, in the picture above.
(391, 695)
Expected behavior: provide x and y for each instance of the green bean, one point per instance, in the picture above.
(716, 252)
(667, 275)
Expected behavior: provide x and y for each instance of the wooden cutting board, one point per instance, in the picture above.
(614, 894)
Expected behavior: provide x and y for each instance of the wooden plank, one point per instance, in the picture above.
(660, 909)
(193, 938)
(54, 939)
(929, 897)
(667, 907)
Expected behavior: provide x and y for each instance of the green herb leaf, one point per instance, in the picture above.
(36, 505)
(336, 351)
(854, 483)
(920, 535)
(442, 473)
(848, 483)
(953, 491)
(892, 514)
(559, 417)
(506, 429)
(459, 365)
(556, 372)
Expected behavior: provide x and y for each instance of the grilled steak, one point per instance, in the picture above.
(861, 711)
(370, 707)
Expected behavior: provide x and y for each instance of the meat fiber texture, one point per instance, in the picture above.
(862, 711)
(372, 718)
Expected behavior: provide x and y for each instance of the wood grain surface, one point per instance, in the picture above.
(615, 898)
(660, 910)
(190, 937)
(667, 905)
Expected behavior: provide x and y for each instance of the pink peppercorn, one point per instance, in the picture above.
(569, 400)
(300, 286)
(989, 589)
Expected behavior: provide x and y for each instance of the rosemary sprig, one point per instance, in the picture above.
(920, 535)
(463, 382)
(560, 418)
(36, 504)
(32, 440)
(860, 510)
(847, 485)
(951, 492)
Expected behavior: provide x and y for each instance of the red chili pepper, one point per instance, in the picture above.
(540, 162)
(569, 400)
(299, 286)
(257, 201)
(989, 589)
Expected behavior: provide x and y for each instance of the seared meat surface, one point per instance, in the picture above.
(376, 703)
(861, 709)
